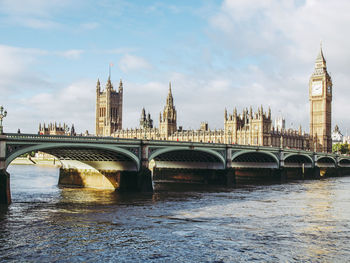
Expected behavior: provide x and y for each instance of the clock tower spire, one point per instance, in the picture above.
(320, 97)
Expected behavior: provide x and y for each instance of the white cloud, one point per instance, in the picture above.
(36, 14)
(131, 63)
(15, 69)
(41, 8)
(258, 52)
(71, 54)
(282, 39)
(73, 104)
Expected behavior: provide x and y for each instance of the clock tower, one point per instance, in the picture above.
(320, 97)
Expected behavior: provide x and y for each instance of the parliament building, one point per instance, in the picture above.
(246, 128)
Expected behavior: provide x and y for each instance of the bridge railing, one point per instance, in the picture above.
(100, 139)
(37, 137)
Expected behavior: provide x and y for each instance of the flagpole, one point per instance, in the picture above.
(109, 68)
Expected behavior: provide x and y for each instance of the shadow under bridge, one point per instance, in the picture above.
(298, 161)
(326, 162)
(84, 157)
(254, 159)
(187, 159)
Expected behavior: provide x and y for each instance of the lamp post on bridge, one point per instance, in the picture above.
(3, 114)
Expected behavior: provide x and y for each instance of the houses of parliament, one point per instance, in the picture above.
(247, 128)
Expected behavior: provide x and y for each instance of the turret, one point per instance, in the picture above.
(168, 125)
(109, 85)
(120, 90)
(143, 114)
(98, 86)
(170, 100)
(72, 130)
(225, 114)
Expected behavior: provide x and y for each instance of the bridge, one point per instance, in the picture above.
(106, 162)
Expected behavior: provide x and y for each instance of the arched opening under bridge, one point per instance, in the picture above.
(171, 166)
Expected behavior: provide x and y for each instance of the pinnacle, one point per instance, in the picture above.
(169, 88)
(320, 56)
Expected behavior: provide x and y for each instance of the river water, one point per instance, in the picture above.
(302, 221)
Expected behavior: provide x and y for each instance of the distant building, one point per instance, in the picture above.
(146, 122)
(337, 136)
(280, 123)
(54, 129)
(204, 126)
(346, 139)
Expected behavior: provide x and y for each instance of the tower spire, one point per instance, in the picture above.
(320, 62)
(109, 83)
(170, 99)
(98, 85)
(120, 86)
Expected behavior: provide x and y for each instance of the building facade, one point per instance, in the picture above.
(54, 129)
(248, 127)
(109, 109)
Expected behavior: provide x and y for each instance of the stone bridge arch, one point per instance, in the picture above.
(344, 162)
(326, 161)
(298, 160)
(254, 159)
(73, 153)
(181, 157)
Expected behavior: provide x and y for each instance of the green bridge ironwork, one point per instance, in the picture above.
(107, 153)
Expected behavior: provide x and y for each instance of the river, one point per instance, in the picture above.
(300, 221)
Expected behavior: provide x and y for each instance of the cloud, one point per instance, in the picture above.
(71, 54)
(239, 54)
(16, 69)
(73, 104)
(280, 39)
(19, 68)
(36, 14)
(133, 63)
(120, 50)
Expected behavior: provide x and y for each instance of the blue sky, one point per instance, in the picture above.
(217, 54)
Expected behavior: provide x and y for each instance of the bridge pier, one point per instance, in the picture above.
(5, 193)
(88, 178)
(144, 180)
(107, 179)
(230, 174)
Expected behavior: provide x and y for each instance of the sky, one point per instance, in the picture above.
(216, 54)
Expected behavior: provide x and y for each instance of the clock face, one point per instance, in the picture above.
(317, 88)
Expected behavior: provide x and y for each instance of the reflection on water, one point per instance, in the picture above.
(300, 221)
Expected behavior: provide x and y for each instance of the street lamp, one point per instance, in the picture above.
(2, 115)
